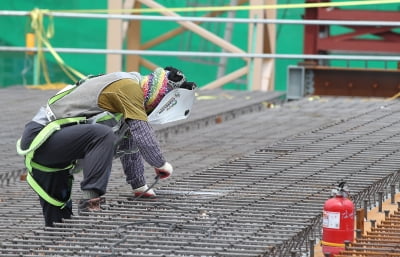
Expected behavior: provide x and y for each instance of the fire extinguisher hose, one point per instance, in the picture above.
(331, 244)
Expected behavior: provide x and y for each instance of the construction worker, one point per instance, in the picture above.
(84, 125)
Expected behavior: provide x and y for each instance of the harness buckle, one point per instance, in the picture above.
(50, 114)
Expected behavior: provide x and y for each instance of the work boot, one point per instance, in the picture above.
(144, 192)
(90, 205)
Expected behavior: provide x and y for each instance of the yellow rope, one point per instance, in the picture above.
(239, 8)
(42, 35)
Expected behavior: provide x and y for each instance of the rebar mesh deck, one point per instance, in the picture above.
(250, 186)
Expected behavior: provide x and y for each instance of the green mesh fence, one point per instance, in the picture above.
(17, 68)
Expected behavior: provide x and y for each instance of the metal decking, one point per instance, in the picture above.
(248, 181)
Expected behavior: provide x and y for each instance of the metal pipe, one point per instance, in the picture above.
(203, 54)
(204, 19)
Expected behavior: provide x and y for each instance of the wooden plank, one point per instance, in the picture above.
(227, 78)
(114, 39)
(177, 31)
(197, 29)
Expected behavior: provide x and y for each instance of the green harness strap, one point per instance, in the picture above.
(40, 138)
(60, 95)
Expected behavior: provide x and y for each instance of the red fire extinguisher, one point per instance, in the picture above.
(337, 221)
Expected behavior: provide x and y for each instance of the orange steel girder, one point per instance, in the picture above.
(317, 38)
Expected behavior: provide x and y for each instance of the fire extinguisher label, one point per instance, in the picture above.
(331, 220)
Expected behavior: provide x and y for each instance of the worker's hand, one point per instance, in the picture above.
(164, 171)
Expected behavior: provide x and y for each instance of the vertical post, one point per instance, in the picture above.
(30, 41)
(380, 201)
(392, 193)
(114, 38)
(133, 42)
(250, 79)
(360, 220)
(262, 40)
(268, 65)
(36, 70)
(312, 248)
(228, 37)
(358, 233)
(366, 209)
(312, 33)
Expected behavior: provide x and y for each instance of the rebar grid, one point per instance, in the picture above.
(267, 203)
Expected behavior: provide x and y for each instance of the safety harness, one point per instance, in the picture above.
(174, 106)
(46, 132)
(40, 138)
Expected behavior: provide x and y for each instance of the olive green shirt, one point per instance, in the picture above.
(124, 96)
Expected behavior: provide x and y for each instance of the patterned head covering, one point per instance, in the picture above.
(157, 84)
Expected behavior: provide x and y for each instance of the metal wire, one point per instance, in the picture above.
(205, 54)
(206, 19)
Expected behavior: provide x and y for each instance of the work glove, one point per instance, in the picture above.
(164, 171)
(175, 77)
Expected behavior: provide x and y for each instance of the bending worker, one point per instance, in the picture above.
(85, 124)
